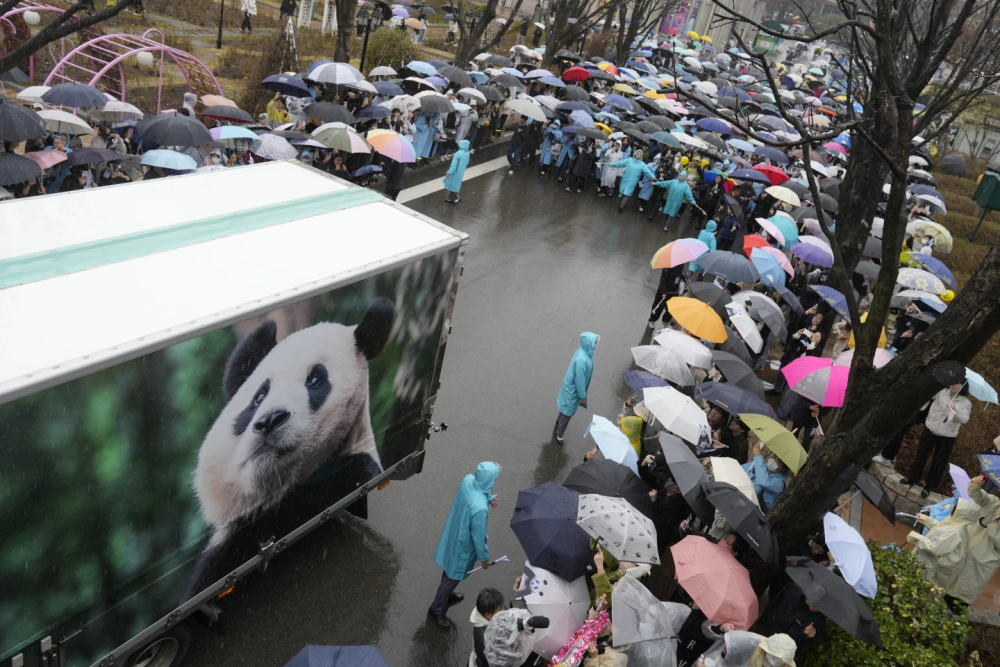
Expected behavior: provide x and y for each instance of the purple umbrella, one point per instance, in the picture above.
(812, 254)
(401, 12)
(639, 380)
(714, 125)
(618, 101)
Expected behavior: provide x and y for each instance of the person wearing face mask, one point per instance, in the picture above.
(948, 411)
(769, 477)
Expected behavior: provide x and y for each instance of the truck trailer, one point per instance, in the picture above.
(195, 372)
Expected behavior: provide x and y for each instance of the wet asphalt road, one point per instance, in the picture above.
(542, 265)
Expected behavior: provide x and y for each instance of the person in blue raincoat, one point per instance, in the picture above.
(646, 184)
(635, 169)
(678, 192)
(553, 136)
(566, 155)
(463, 538)
(574, 387)
(453, 181)
(706, 236)
(423, 135)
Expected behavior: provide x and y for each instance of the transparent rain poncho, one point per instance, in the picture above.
(505, 645)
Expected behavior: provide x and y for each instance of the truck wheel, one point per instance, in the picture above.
(167, 650)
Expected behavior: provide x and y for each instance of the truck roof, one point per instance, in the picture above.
(95, 277)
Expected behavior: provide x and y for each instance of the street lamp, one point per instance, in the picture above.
(364, 21)
(472, 17)
(222, 9)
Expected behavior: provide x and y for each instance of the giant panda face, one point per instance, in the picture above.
(293, 404)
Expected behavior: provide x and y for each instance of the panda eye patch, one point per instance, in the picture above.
(318, 386)
(246, 415)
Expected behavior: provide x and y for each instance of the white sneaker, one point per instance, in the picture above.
(881, 460)
(651, 324)
(510, 172)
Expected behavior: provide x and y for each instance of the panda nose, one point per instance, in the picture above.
(270, 422)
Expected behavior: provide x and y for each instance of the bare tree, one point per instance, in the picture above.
(478, 37)
(896, 48)
(571, 20)
(78, 16)
(644, 14)
(346, 10)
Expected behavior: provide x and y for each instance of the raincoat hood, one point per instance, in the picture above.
(966, 512)
(477, 619)
(463, 145)
(486, 475)
(711, 226)
(589, 341)
(774, 651)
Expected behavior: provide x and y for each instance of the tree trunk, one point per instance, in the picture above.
(345, 25)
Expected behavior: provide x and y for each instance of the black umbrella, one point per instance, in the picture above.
(734, 399)
(456, 75)
(544, 522)
(590, 133)
(735, 206)
(868, 269)
(763, 311)
(689, 474)
(500, 61)
(286, 85)
(17, 169)
(435, 104)
(575, 94)
(827, 203)
(608, 478)
(328, 112)
(92, 156)
(800, 189)
(873, 248)
(647, 127)
(772, 154)
(745, 518)
(564, 54)
(830, 186)
(662, 122)
(75, 95)
(946, 373)
(954, 164)
(15, 75)
(835, 598)
(508, 81)
(712, 294)
(737, 368)
(650, 107)
(789, 297)
(872, 489)
(623, 125)
(171, 130)
(712, 140)
(491, 93)
(18, 123)
(638, 135)
(734, 268)
(226, 112)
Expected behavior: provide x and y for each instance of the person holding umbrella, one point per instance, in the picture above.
(453, 180)
(573, 393)
(769, 476)
(463, 539)
(949, 409)
(671, 284)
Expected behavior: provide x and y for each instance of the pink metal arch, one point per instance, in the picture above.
(100, 60)
(33, 6)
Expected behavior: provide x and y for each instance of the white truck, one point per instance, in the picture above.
(195, 372)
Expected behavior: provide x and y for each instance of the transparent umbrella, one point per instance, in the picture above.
(650, 625)
(661, 361)
(564, 603)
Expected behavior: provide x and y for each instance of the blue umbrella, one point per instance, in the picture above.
(834, 299)
(607, 117)
(618, 101)
(338, 656)
(449, 16)
(729, 91)
(926, 190)
(979, 387)
(513, 72)
(787, 228)
(935, 266)
(772, 154)
(438, 63)
(376, 111)
(478, 77)
(639, 380)
(168, 159)
(75, 95)
(741, 145)
(367, 169)
(387, 88)
(420, 67)
(766, 135)
(768, 267)
(571, 129)
(544, 522)
(286, 85)
(714, 125)
(750, 175)
(552, 81)
(733, 399)
(581, 118)
(437, 81)
(812, 254)
(614, 444)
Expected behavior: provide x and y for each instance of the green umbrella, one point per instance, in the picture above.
(777, 438)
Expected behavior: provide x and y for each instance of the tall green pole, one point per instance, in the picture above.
(978, 225)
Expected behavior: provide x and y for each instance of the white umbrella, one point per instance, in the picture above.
(116, 109)
(363, 86)
(336, 73)
(934, 201)
(706, 87)
(694, 142)
(653, 626)
(943, 241)
(383, 70)
(547, 101)
(678, 413)
(919, 279)
(815, 241)
(899, 298)
(621, 529)
(614, 444)
(564, 603)
(725, 469)
(745, 325)
(526, 108)
(273, 147)
(62, 122)
(691, 350)
(472, 92)
(402, 102)
(33, 93)
(658, 360)
(850, 554)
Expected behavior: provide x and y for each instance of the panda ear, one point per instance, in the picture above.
(248, 355)
(373, 330)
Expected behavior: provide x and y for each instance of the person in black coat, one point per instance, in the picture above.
(671, 285)
(393, 172)
(583, 167)
(792, 614)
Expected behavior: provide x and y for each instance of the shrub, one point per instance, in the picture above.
(389, 46)
(917, 628)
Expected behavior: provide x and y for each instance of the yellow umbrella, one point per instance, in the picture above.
(698, 318)
(603, 128)
(625, 88)
(777, 438)
(783, 194)
(882, 338)
(607, 67)
(706, 38)
(693, 35)
(653, 95)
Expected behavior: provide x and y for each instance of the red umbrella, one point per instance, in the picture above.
(751, 241)
(673, 31)
(576, 74)
(715, 580)
(775, 175)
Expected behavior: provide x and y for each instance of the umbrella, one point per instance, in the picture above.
(734, 268)
(746, 327)
(933, 265)
(92, 156)
(688, 473)
(954, 164)
(607, 478)
(836, 300)
(456, 75)
(812, 254)
(979, 387)
(961, 480)
(328, 112)
(171, 130)
(919, 279)
(943, 240)
(770, 268)
(753, 175)
(383, 70)
(18, 123)
(614, 444)
(168, 159)
(75, 96)
(728, 470)
(16, 168)
(751, 241)
(684, 346)
(716, 581)
(872, 489)
(679, 414)
(393, 146)
(745, 517)
(225, 112)
(765, 309)
(835, 598)
(776, 438)
(899, 299)
(341, 139)
(62, 122)
(660, 361)
(789, 297)
(527, 109)
(737, 371)
(851, 555)
(564, 603)
(698, 318)
(47, 159)
(30, 94)
(784, 194)
(711, 294)
(286, 85)
(619, 528)
(338, 656)
(639, 380)
(544, 522)
(733, 399)
(736, 346)
(652, 627)
(772, 154)
(882, 357)
(340, 73)
(818, 379)
(273, 147)
(365, 170)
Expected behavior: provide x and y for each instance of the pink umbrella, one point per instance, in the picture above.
(46, 159)
(718, 584)
(772, 229)
(882, 357)
(678, 252)
(834, 146)
(393, 146)
(818, 379)
(782, 259)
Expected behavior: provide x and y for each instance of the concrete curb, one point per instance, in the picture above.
(905, 498)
